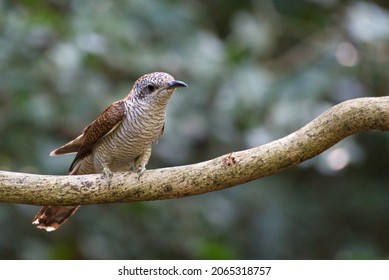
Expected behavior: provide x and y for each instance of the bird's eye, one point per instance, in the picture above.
(150, 88)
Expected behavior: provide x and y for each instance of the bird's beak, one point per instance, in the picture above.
(176, 84)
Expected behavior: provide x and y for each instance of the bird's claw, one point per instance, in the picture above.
(107, 175)
(140, 170)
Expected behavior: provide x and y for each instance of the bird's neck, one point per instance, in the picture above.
(148, 108)
(153, 104)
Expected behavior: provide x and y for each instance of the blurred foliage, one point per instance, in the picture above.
(257, 71)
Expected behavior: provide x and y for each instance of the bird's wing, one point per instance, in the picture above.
(108, 120)
(69, 148)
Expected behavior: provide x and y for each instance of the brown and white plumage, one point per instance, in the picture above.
(118, 140)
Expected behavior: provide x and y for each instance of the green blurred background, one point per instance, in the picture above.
(256, 70)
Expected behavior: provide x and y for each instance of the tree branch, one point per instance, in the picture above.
(229, 170)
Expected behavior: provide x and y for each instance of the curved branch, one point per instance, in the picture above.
(340, 121)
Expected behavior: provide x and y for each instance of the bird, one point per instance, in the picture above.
(119, 140)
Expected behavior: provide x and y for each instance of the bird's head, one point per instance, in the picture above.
(157, 86)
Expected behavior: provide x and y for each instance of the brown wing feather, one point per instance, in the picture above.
(71, 147)
(103, 125)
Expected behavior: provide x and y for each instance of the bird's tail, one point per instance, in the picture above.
(52, 217)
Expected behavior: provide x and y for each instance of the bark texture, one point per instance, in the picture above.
(229, 170)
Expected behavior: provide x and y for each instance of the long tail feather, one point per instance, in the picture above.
(52, 217)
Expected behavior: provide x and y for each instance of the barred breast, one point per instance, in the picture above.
(139, 130)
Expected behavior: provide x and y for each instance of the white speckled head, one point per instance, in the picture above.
(155, 86)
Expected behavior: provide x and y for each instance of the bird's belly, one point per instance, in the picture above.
(117, 157)
(119, 149)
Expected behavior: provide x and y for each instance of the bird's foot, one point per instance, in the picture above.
(107, 175)
(140, 170)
